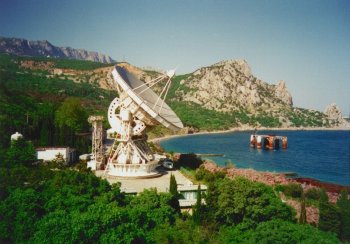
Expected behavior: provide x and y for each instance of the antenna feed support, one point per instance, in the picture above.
(170, 73)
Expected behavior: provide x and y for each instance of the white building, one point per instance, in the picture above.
(51, 153)
(189, 194)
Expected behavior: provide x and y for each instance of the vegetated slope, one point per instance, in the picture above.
(221, 96)
(226, 95)
(30, 93)
(23, 47)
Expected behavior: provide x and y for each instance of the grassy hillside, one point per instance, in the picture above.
(28, 92)
(30, 98)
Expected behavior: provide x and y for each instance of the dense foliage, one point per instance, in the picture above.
(49, 204)
(275, 231)
(41, 205)
(334, 218)
(343, 204)
(49, 110)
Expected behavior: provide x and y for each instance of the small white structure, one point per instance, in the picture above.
(16, 136)
(85, 157)
(189, 193)
(50, 153)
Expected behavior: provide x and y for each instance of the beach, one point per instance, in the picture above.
(247, 128)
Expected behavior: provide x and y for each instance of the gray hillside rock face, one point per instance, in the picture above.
(282, 93)
(229, 86)
(23, 47)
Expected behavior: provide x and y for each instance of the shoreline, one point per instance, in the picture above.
(329, 186)
(167, 137)
(273, 178)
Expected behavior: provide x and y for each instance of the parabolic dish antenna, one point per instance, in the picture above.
(129, 114)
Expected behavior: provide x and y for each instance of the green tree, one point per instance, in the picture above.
(18, 213)
(44, 119)
(150, 209)
(21, 152)
(302, 218)
(329, 217)
(343, 204)
(54, 227)
(174, 193)
(70, 119)
(285, 232)
(313, 194)
(293, 190)
(181, 232)
(197, 208)
(211, 199)
(239, 200)
(71, 114)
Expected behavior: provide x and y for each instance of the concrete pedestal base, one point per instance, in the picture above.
(133, 170)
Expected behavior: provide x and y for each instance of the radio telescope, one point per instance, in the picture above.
(136, 108)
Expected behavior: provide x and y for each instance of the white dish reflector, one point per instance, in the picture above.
(146, 99)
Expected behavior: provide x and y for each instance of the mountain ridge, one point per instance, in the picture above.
(43, 48)
(222, 96)
(229, 87)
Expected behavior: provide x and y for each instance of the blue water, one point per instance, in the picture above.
(322, 155)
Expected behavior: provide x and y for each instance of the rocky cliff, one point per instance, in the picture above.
(230, 86)
(23, 47)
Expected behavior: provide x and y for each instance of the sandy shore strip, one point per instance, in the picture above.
(246, 128)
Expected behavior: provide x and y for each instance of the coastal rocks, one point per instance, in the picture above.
(335, 116)
(333, 112)
(272, 179)
(263, 177)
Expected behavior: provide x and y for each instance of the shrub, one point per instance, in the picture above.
(293, 190)
(313, 193)
(279, 188)
(205, 175)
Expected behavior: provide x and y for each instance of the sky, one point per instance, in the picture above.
(305, 43)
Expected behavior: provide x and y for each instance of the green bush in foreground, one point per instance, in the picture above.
(275, 231)
(230, 202)
(39, 205)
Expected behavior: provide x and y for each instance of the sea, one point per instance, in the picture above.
(322, 155)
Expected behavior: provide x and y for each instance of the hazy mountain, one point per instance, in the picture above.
(23, 47)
